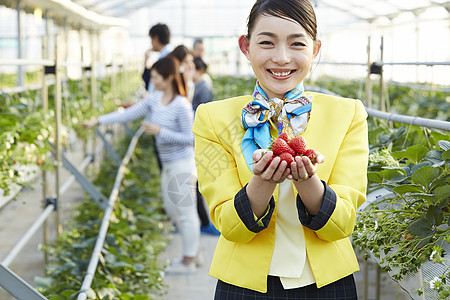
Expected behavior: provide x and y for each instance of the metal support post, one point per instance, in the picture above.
(368, 80)
(58, 123)
(20, 76)
(85, 184)
(45, 184)
(378, 282)
(382, 100)
(366, 280)
(16, 286)
(93, 80)
(108, 147)
(128, 130)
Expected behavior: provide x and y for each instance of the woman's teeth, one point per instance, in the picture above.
(281, 73)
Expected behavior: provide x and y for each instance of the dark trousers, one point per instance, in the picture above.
(202, 209)
(343, 289)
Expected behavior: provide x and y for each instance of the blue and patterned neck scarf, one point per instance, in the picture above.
(291, 114)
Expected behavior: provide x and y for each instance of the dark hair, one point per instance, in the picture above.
(198, 41)
(162, 32)
(180, 52)
(169, 66)
(200, 64)
(301, 11)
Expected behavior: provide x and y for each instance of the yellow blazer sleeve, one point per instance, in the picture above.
(348, 178)
(218, 175)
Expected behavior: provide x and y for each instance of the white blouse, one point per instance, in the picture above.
(289, 258)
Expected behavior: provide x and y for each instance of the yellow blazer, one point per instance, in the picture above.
(338, 129)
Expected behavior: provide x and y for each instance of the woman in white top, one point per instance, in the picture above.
(169, 117)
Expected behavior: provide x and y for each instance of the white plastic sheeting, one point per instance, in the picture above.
(413, 31)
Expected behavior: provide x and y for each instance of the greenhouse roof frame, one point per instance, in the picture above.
(369, 11)
(106, 13)
(64, 12)
(366, 10)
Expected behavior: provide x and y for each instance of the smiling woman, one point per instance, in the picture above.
(284, 223)
(281, 53)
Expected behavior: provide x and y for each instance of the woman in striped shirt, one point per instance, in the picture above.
(169, 117)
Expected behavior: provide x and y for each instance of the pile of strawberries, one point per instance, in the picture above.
(287, 149)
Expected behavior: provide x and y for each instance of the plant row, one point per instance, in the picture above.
(28, 131)
(128, 268)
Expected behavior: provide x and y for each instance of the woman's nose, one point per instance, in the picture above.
(281, 56)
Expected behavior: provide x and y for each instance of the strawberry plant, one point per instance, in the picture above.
(129, 266)
(402, 231)
(28, 132)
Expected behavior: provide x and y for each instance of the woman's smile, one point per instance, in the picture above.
(281, 74)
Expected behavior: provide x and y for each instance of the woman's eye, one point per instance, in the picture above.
(265, 43)
(298, 44)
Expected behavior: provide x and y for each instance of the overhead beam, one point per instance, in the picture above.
(62, 10)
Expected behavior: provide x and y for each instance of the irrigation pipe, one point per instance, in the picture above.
(29, 234)
(87, 281)
(429, 123)
(81, 168)
(26, 62)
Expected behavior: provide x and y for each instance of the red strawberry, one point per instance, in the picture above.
(287, 158)
(280, 146)
(312, 155)
(298, 144)
(284, 136)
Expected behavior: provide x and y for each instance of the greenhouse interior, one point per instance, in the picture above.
(83, 212)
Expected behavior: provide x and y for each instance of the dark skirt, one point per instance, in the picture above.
(344, 289)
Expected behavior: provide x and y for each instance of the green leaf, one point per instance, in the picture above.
(8, 121)
(443, 180)
(445, 145)
(396, 179)
(57, 297)
(442, 196)
(434, 155)
(43, 282)
(120, 264)
(389, 173)
(420, 165)
(421, 228)
(138, 267)
(427, 197)
(446, 155)
(408, 188)
(68, 293)
(425, 176)
(435, 216)
(414, 153)
(141, 297)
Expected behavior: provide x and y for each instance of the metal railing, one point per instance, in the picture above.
(12, 283)
(87, 281)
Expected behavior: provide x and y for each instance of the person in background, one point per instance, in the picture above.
(285, 226)
(159, 39)
(168, 117)
(198, 49)
(203, 93)
(187, 68)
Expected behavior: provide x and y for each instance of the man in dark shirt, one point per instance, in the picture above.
(160, 39)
